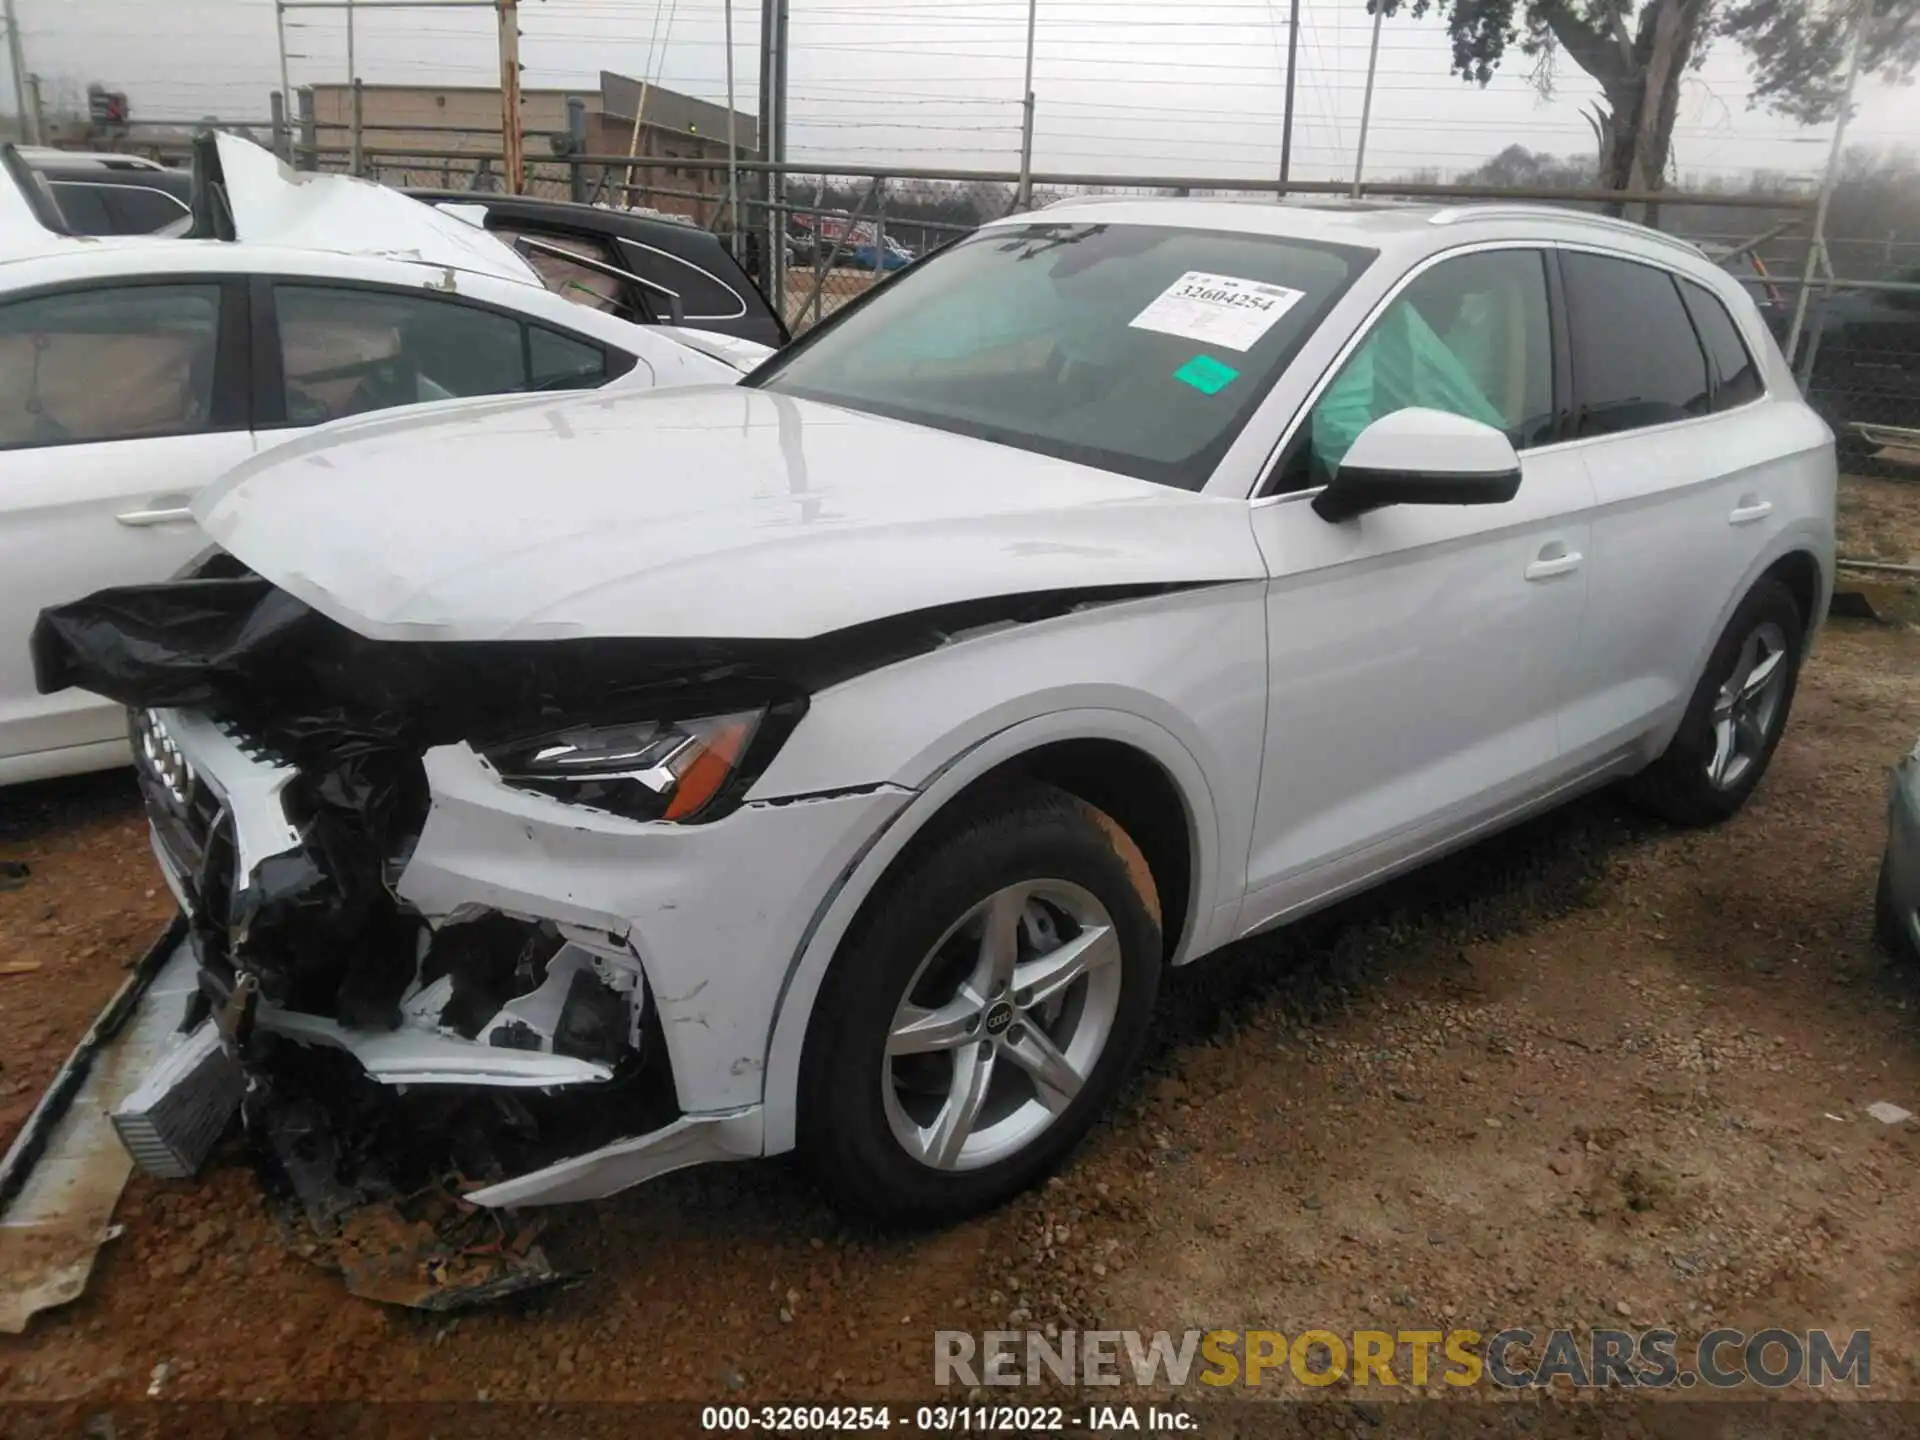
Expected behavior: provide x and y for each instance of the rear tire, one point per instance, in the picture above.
(951, 1061)
(1734, 720)
(1889, 929)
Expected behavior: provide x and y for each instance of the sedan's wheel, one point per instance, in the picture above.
(981, 1015)
(1735, 717)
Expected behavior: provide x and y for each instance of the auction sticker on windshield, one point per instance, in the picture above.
(1220, 310)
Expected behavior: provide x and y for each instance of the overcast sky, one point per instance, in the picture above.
(1135, 87)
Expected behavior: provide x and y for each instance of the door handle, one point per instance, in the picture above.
(1750, 509)
(1554, 560)
(157, 515)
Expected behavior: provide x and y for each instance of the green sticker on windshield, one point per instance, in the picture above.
(1206, 374)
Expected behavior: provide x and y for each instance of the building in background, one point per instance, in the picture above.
(433, 127)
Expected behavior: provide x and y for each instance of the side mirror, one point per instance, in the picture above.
(1421, 457)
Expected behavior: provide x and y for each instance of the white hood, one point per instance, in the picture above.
(704, 512)
(274, 204)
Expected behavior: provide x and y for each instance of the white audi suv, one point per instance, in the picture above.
(837, 761)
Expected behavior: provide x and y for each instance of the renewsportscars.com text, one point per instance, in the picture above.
(1515, 1358)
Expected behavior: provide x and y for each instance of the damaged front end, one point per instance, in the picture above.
(408, 1069)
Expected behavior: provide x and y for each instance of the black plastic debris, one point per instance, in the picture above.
(357, 1197)
(13, 874)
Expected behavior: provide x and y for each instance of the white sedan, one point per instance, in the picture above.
(135, 371)
(1119, 582)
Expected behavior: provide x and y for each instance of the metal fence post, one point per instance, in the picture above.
(1816, 251)
(282, 137)
(309, 141)
(576, 146)
(356, 153)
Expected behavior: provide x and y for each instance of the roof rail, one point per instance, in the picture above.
(1460, 214)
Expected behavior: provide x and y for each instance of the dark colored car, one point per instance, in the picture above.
(113, 194)
(1866, 370)
(634, 266)
(642, 269)
(1866, 357)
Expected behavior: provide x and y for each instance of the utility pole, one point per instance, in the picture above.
(38, 105)
(280, 33)
(17, 60)
(511, 138)
(1286, 123)
(733, 152)
(352, 72)
(771, 230)
(1023, 196)
(779, 256)
(1366, 105)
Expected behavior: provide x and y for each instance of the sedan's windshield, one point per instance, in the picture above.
(1142, 349)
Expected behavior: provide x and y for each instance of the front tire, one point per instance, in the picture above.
(983, 1011)
(1734, 720)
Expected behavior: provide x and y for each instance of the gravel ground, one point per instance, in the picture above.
(1592, 1072)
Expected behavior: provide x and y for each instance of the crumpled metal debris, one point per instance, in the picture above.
(430, 1250)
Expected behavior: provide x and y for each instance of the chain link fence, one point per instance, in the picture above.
(1860, 368)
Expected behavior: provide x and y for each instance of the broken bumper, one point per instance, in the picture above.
(708, 917)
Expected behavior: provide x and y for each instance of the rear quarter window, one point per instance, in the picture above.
(703, 294)
(1736, 374)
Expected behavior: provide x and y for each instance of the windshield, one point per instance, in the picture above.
(1141, 349)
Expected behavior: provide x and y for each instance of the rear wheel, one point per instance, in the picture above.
(1889, 925)
(983, 1013)
(1735, 718)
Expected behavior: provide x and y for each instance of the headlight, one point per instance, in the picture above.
(649, 770)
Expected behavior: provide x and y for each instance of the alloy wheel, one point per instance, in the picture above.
(1747, 706)
(1002, 1024)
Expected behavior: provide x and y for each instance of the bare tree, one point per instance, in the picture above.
(1639, 52)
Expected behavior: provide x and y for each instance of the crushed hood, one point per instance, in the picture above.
(707, 511)
(274, 204)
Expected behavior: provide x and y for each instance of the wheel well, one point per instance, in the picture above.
(1800, 573)
(1137, 793)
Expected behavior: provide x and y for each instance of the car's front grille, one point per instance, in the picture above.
(188, 818)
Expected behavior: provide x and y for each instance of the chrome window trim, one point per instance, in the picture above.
(738, 299)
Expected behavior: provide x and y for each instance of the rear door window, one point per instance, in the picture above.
(1636, 359)
(141, 209)
(108, 363)
(84, 207)
(1736, 375)
(348, 351)
(584, 284)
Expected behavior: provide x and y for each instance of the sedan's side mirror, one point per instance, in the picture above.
(1421, 457)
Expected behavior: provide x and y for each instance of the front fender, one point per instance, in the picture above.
(817, 948)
